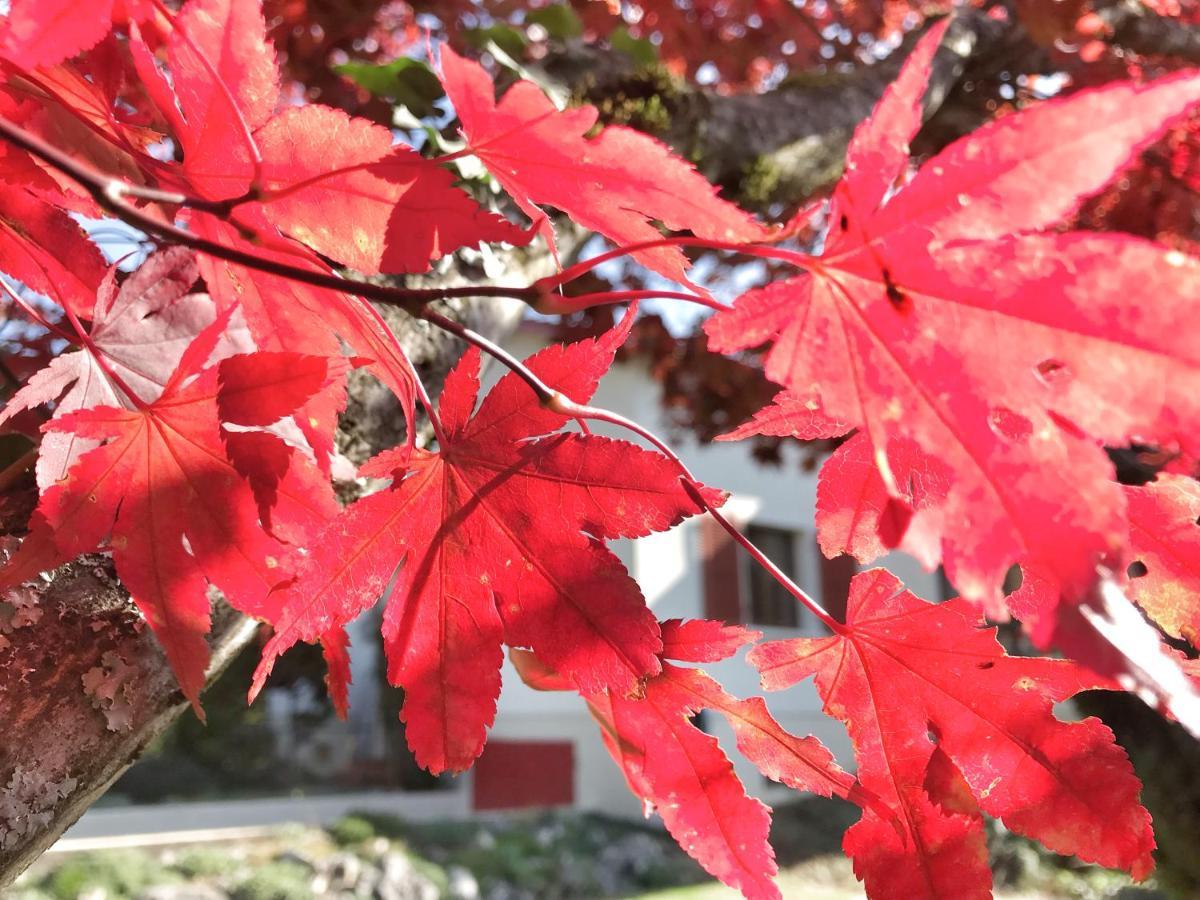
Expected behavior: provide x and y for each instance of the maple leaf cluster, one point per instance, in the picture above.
(978, 360)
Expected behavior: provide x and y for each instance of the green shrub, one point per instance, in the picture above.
(432, 871)
(383, 825)
(352, 829)
(275, 881)
(203, 862)
(120, 874)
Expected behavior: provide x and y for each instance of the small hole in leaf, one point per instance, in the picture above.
(1052, 371)
(1137, 569)
(844, 222)
(1013, 579)
(985, 665)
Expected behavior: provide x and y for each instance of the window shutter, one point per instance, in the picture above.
(835, 583)
(722, 577)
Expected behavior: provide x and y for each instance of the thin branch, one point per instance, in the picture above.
(110, 193)
(85, 341)
(559, 403)
(545, 394)
(761, 251)
(691, 486)
(176, 198)
(765, 561)
(557, 305)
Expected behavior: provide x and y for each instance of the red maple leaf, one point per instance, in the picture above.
(176, 513)
(497, 539)
(958, 341)
(703, 640)
(332, 181)
(935, 325)
(790, 415)
(1165, 540)
(225, 80)
(856, 513)
(287, 315)
(259, 391)
(915, 682)
(46, 250)
(387, 209)
(616, 182)
(682, 772)
(85, 106)
(44, 32)
(138, 335)
(678, 770)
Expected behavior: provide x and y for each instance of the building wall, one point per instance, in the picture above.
(671, 571)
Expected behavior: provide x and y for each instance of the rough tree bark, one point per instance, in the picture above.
(83, 686)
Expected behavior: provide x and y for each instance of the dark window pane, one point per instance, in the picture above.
(770, 603)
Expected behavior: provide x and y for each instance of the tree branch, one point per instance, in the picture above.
(110, 193)
(778, 147)
(781, 147)
(87, 688)
(1139, 29)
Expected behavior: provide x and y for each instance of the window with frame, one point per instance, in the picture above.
(769, 602)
